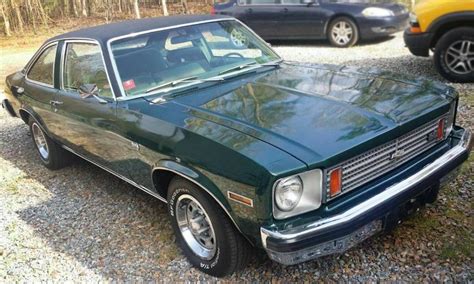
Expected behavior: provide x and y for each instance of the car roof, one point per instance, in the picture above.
(103, 33)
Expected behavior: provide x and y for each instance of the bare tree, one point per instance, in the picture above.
(136, 9)
(165, 8)
(6, 21)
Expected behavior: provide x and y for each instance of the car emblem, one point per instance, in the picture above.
(399, 153)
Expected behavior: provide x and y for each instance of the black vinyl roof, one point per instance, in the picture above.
(105, 32)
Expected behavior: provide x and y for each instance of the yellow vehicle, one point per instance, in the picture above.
(445, 27)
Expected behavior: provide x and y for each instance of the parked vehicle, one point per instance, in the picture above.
(447, 28)
(342, 22)
(246, 149)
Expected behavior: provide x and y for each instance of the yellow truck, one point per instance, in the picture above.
(445, 27)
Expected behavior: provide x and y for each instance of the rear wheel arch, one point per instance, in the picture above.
(24, 115)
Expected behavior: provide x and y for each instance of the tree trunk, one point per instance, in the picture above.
(6, 22)
(185, 6)
(165, 8)
(73, 8)
(19, 18)
(136, 9)
(84, 8)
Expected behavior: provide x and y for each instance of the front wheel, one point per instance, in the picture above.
(343, 32)
(205, 234)
(454, 55)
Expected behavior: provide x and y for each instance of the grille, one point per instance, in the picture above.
(380, 160)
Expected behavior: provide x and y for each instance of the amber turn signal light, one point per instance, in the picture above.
(335, 182)
(415, 30)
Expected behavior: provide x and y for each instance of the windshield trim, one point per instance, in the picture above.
(123, 95)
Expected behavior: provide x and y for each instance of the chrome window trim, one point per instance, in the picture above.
(123, 96)
(35, 59)
(63, 61)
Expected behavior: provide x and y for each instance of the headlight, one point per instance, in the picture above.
(288, 193)
(377, 12)
(297, 194)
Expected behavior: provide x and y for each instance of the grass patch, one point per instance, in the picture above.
(459, 248)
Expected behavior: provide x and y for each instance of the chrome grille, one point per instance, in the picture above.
(380, 160)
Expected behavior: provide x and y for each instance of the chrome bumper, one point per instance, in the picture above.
(344, 219)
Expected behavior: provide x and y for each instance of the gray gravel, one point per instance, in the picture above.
(82, 224)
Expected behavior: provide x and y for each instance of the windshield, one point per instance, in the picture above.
(147, 62)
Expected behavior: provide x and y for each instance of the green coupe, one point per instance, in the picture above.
(247, 150)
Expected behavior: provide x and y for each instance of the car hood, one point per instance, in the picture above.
(318, 112)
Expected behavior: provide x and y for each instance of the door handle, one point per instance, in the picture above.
(55, 103)
(249, 10)
(285, 10)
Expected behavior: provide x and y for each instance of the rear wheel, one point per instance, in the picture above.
(51, 154)
(343, 32)
(454, 55)
(205, 234)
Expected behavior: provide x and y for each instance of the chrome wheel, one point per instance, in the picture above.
(460, 57)
(195, 227)
(238, 38)
(342, 33)
(40, 141)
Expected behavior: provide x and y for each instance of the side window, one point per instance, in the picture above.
(83, 65)
(43, 69)
(291, 2)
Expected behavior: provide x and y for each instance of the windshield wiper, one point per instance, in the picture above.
(238, 67)
(250, 64)
(192, 79)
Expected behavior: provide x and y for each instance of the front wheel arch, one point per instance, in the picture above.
(162, 177)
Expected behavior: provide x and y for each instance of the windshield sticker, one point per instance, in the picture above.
(128, 85)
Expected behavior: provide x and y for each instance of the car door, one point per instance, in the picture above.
(302, 19)
(39, 85)
(260, 15)
(88, 125)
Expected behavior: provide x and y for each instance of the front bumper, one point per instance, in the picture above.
(371, 28)
(340, 232)
(418, 44)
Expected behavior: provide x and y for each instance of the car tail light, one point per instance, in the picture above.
(213, 11)
(440, 130)
(335, 182)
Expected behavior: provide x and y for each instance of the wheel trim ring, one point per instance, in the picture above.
(461, 57)
(190, 235)
(342, 32)
(40, 141)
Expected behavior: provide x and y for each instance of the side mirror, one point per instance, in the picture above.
(90, 90)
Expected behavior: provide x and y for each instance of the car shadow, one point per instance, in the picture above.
(325, 42)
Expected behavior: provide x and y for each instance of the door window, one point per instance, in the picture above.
(42, 70)
(83, 65)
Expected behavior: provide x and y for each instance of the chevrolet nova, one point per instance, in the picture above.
(247, 150)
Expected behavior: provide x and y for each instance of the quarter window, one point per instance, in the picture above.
(83, 65)
(43, 69)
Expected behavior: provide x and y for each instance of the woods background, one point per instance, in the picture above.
(19, 16)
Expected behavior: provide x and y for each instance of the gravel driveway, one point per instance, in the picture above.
(83, 224)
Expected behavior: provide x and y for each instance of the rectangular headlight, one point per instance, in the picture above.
(289, 200)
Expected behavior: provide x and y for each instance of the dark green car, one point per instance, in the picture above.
(246, 150)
